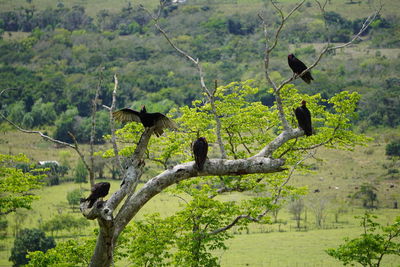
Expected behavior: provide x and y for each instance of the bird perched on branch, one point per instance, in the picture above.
(303, 117)
(200, 149)
(158, 120)
(98, 190)
(298, 67)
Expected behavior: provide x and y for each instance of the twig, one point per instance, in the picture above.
(275, 201)
(61, 143)
(112, 125)
(329, 48)
(93, 129)
(76, 147)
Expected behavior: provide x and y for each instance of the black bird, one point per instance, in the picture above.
(200, 149)
(303, 117)
(298, 67)
(98, 190)
(158, 120)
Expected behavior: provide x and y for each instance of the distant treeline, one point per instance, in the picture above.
(53, 73)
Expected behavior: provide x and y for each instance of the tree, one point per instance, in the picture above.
(393, 148)
(74, 196)
(367, 193)
(81, 172)
(29, 240)
(318, 205)
(66, 123)
(16, 185)
(375, 242)
(64, 222)
(296, 207)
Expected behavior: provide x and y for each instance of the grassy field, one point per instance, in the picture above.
(262, 245)
(337, 174)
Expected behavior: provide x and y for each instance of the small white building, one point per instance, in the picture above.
(49, 161)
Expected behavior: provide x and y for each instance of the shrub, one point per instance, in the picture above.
(29, 240)
(393, 148)
(74, 197)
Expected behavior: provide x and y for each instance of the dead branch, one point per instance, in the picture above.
(276, 199)
(93, 129)
(329, 48)
(210, 94)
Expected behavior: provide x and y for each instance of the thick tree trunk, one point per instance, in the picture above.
(103, 253)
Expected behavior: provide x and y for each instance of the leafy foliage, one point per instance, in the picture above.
(188, 237)
(393, 148)
(74, 196)
(64, 222)
(73, 252)
(369, 249)
(367, 193)
(16, 185)
(29, 240)
(81, 173)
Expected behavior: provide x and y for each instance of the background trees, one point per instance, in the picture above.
(29, 240)
(65, 45)
(15, 184)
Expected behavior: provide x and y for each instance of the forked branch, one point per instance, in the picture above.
(209, 93)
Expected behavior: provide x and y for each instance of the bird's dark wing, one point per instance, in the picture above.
(297, 65)
(103, 189)
(303, 117)
(200, 149)
(307, 77)
(161, 121)
(126, 115)
(98, 190)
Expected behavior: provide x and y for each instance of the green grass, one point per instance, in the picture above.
(289, 249)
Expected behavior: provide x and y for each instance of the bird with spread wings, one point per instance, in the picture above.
(158, 120)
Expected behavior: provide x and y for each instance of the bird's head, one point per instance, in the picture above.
(303, 103)
(143, 110)
(203, 139)
(290, 56)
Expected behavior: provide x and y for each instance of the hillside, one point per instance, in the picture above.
(51, 57)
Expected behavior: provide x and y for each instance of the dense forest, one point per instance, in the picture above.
(64, 55)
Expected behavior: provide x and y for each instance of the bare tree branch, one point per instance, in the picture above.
(283, 21)
(46, 137)
(329, 48)
(210, 94)
(93, 129)
(276, 198)
(112, 125)
(279, 141)
(213, 167)
(76, 147)
(128, 185)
